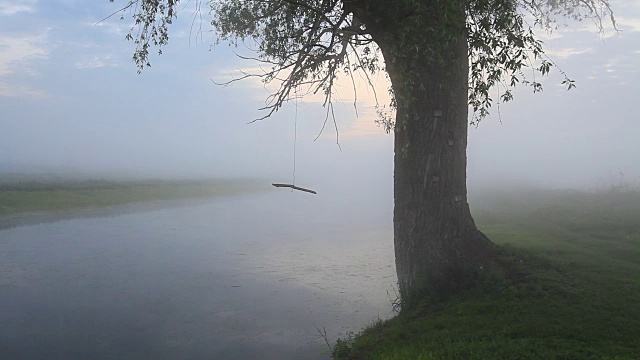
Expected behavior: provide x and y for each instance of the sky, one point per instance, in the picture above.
(72, 101)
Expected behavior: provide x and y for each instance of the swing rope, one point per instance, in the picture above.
(295, 140)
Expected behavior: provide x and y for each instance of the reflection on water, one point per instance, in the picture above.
(248, 277)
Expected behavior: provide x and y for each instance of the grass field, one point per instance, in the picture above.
(36, 195)
(576, 296)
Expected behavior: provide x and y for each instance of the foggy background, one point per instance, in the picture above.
(71, 102)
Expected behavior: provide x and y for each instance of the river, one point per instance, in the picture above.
(240, 277)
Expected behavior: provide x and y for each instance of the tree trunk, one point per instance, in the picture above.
(437, 243)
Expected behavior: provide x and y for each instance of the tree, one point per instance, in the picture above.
(442, 57)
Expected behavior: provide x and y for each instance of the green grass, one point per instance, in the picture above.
(576, 294)
(61, 195)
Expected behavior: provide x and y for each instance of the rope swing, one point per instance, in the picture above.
(295, 139)
(294, 187)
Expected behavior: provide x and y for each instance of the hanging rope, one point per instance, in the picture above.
(295, 140)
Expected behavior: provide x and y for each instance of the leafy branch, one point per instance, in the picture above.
(309, 43)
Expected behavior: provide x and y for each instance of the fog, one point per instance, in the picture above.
(72, 103)
(256, 275)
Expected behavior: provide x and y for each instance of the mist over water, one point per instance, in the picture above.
(235, 278)
(247, 276)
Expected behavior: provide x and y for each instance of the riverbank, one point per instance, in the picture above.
(572, 293)
(28, 195)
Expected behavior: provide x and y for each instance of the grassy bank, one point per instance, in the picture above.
(574, 292)
(36, 195)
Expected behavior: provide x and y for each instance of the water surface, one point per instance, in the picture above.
(244, 277)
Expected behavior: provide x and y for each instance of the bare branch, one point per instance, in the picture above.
(130, 4)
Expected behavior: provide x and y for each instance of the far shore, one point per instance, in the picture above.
(47, 195)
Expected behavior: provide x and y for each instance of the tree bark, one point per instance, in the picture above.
(437, 244)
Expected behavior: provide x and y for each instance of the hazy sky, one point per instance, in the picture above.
(70, 99)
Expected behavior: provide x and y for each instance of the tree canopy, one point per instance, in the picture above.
(307, 44)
